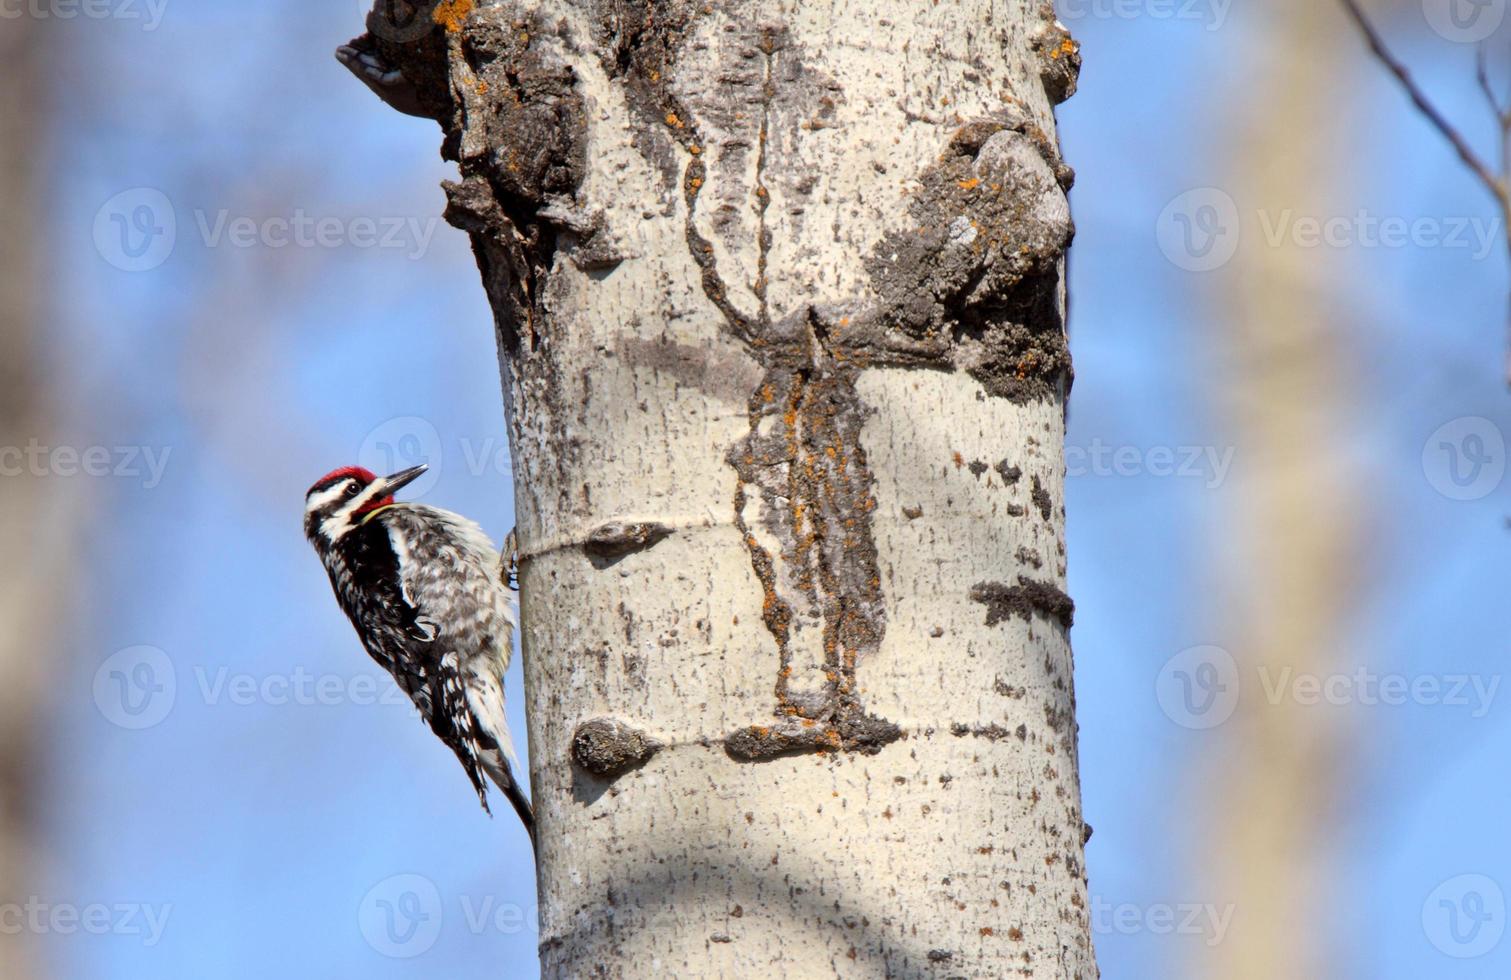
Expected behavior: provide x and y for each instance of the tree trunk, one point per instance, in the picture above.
(44, 515)
(779, 299)
(1294, 565)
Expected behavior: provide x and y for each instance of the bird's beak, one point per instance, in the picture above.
(400, 480)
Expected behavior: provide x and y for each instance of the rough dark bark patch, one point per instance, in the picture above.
(640, 41)
(851, 731)
(1059, 58)
(1023, 600)
(1041, 499)
(975, 285)
(513, 120)
(992, 733)
(607, 747)
(1028, 556)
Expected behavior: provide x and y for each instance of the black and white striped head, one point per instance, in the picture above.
(342, 499)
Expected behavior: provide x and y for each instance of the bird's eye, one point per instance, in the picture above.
(352, 489)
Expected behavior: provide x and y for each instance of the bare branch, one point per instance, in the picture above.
(1482, 75)
(1478, 167)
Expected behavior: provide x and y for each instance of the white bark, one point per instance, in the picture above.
(778, 288)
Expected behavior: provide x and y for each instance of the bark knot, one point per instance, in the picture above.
(607, 747)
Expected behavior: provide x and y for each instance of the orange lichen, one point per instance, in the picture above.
(969, 185)
(451, 14)
(672, 120)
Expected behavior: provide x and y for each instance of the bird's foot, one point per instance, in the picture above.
(511, 561)
(360, 56)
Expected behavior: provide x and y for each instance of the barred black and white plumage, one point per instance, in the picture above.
(426, 591)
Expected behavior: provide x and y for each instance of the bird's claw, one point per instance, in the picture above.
(386, 81)
(511, 561)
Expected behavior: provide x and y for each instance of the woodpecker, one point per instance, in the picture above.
(430, 599)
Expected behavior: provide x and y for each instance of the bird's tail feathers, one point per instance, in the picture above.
(503, 777)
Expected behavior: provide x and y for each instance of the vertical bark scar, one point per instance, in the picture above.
(803, 467)
(763, 194)
(804, 484)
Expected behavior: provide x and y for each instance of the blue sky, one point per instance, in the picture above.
(278, 811)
